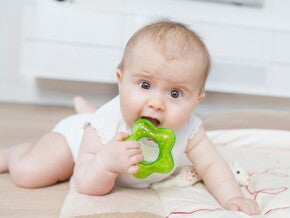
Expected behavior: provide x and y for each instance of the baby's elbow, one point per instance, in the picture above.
(89, 189)
(92, 192)
(85, 190)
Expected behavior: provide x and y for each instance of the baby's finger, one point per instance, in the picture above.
(134, 151)
(254, 208)
(233, 207)
(248, 209)
(120, 136)
(257, 209)
(133, 169)
(136, 158)
(132, 144)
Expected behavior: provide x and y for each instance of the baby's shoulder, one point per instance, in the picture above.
(107, 120)
(192, 125)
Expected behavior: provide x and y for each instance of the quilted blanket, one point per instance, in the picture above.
(265, 154)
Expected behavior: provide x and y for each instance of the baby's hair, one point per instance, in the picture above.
(174, 40)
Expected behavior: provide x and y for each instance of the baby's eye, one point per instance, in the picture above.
(145, 85)
(175, 93)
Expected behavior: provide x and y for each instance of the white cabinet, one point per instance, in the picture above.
(62, 41)
(83, 40)
(65, 22)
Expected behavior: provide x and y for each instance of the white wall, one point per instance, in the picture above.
(15, 87)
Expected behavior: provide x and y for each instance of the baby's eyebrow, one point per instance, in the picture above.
(182, 86)
(142, 74)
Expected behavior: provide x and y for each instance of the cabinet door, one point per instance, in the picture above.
(68, 42)
(70, 62)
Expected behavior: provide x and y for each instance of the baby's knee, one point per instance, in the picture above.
(42, 164)
(26, 176)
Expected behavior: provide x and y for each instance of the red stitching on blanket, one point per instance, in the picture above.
(271, 191)
(278, 208)
(192, 212)
(269, 171)
(266, 191)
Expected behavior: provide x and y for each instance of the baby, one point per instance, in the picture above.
(161, 77)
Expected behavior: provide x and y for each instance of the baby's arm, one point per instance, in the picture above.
(98, 165)
(217, 175)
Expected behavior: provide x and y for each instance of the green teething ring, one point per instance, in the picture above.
(165, 140)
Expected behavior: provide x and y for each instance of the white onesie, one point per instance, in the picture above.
(108, 121)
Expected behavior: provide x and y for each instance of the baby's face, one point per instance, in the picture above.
(163, 91)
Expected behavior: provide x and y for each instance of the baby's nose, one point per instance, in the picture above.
(156, 104)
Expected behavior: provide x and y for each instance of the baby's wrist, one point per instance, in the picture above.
(103, 164)
(233, 199)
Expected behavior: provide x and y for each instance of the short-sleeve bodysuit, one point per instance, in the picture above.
(107, 121)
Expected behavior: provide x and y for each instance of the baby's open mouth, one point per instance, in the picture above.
(154, 121)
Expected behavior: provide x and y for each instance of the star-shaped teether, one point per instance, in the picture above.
(165, 140)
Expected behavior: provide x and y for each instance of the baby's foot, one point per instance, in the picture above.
(81, 105)
(4, 157)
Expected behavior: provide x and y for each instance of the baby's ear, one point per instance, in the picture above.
(119, 75)
(201, 96)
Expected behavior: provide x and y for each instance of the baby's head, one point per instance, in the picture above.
(162, 74)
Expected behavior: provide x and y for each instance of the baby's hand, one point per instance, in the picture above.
(247, 206)
(121, 156)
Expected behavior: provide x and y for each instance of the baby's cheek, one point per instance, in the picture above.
(178, 118)
(174, 123)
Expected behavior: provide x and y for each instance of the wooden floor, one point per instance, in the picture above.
(23, 123)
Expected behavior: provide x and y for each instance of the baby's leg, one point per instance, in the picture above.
(81, 105)
(4, 160)
(42, 164)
